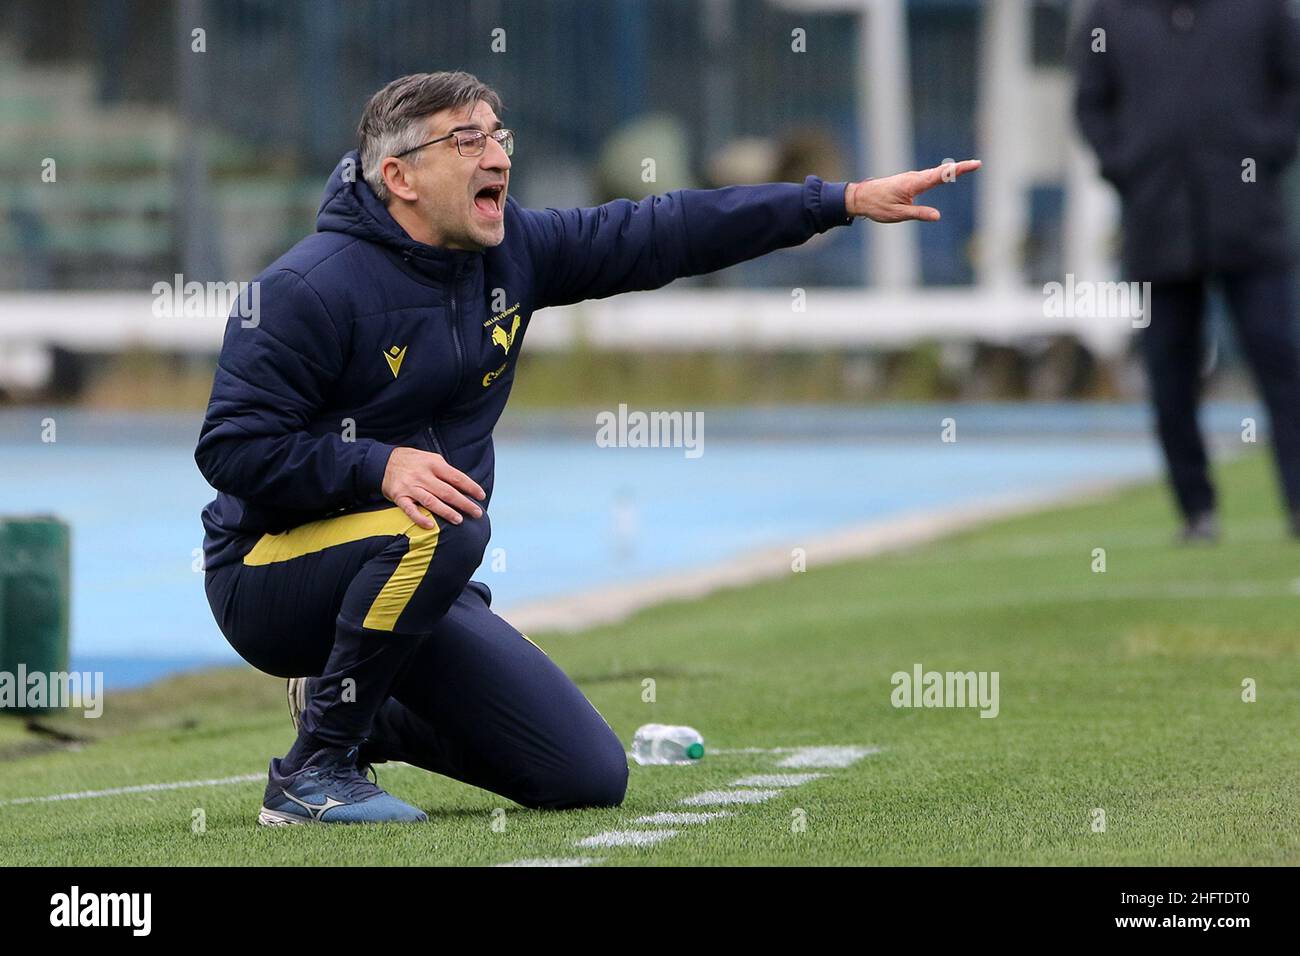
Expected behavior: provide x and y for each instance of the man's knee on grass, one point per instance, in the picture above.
(596, 777)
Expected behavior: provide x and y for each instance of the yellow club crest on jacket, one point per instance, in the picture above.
(499, 336)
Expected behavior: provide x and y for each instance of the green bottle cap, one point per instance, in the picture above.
(695, 751)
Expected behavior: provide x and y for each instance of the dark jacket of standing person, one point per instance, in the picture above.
(1182, 100)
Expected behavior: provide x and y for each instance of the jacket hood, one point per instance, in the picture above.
(351, 207)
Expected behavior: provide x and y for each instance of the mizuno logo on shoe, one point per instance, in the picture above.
(317, 810)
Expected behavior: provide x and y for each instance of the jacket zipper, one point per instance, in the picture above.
(455, 334)
(433, 436)
(460, 358)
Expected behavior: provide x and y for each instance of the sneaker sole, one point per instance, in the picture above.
(277, 818)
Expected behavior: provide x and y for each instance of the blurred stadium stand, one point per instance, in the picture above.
(211, 165)
(99, 86)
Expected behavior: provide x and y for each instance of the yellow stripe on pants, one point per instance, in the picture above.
(316, 536)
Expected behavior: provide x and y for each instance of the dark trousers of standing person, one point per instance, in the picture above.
(1263, 309)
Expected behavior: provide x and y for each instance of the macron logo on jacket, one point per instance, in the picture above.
(395, 357)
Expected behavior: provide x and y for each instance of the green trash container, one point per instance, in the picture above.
(35, 591)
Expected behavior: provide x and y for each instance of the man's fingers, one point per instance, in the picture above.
(408, 506)
(453, 498)
(906, 212)
(947, 172)
(918, 182)
(452, 476)
(437, 505)
(429, 482)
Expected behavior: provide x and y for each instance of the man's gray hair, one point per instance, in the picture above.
(393, 120)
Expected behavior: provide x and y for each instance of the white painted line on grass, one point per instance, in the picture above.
(668, 816)
(139, 788)
(711, 798)
(751, 789)
(800, 757)
(775, 779)
(155, 787)
(556, 861)
(627, 838)
(827, 756)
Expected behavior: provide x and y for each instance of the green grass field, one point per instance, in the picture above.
(1119, 690)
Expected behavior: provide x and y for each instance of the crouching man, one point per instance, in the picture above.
(349, 438)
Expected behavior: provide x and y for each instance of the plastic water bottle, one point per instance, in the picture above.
(666, 744)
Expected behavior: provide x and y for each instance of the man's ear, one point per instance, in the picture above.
(394, 172)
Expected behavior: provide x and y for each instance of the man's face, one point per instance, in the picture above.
(461, 200)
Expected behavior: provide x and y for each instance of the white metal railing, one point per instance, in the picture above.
(667, 319)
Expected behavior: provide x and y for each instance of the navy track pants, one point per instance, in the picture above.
(411, 661)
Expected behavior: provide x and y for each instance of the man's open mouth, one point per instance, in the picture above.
(488, 200)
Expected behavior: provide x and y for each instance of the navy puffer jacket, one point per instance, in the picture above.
(366, 339)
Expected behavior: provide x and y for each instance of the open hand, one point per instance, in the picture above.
(417, 479)
(890, 199)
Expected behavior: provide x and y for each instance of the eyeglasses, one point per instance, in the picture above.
(471, 142)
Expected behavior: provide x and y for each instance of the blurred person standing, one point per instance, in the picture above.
(1193, 109)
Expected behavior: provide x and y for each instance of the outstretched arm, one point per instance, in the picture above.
(626, 246)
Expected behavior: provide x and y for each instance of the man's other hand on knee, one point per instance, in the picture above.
(415, 479)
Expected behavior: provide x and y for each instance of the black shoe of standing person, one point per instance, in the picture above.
(1200, 529)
